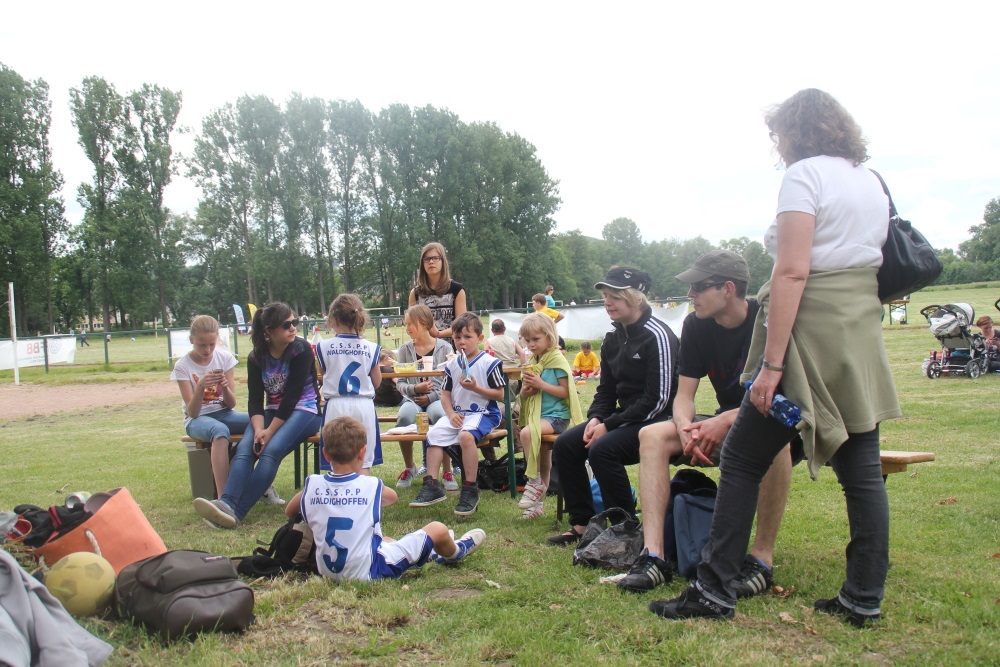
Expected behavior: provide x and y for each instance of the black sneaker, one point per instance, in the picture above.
(691, 604)
(430, 493)
(754, 578)
(468, 500)
(647, 573)
(835, 608)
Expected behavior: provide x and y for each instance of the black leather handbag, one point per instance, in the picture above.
(909, 263)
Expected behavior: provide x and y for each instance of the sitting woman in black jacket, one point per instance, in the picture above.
(638, 383)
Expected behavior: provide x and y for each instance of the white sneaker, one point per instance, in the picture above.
(534, 493)
(449, 482)
(271, 497)
(466, 544)
(406, 478)
(216, 513)
(421, 471)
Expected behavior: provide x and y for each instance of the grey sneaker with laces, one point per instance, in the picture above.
(468, 501)
(430, 493)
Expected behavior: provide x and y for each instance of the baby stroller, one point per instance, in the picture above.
(962, 352)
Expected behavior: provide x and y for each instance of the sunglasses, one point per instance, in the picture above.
(288, 324)
(698, 288)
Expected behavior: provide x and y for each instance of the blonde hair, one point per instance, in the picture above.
(343, 438)
(423, 287)
(537, 323)
(204, 324)
(420, 314)
(629, 295)
(348, 311)
(810, 123)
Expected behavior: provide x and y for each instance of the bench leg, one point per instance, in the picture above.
(559, 504)
(200, 469)
(303, 448)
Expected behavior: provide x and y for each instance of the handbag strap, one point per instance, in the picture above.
(892, 207)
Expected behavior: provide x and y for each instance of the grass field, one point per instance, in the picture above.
(520, 602)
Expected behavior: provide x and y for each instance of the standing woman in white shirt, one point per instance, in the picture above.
(817, 340)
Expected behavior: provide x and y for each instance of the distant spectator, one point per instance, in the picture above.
(386, 394)
(549, 301)
(502, 346)
(586, 364)
(992, 340)
(538, 302)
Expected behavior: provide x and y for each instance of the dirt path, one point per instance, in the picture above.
(28, 400)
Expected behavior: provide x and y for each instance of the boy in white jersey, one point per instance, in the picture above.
(343, 509)
(469, 399)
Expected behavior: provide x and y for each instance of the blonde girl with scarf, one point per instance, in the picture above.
(549, 405)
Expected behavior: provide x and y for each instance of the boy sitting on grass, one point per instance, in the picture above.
(344, 509)
(586, 364)
(469, 399)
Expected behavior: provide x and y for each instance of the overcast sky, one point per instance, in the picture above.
(645, 111)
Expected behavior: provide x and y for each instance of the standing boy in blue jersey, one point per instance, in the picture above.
(469, 399)
(343, 509)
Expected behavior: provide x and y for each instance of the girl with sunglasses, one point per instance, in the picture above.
(281, 381)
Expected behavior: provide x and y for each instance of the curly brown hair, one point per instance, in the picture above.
(810, 123)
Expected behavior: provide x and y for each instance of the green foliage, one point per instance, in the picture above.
(32, 225)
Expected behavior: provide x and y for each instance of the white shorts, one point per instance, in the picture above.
(362, 409)
(479, 424)
(392, 559)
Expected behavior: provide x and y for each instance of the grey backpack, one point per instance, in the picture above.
(182, 593)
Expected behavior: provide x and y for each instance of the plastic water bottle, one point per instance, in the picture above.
(782, 409)
(463, 365)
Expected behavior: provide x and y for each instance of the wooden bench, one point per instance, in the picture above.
(200, 461)
(892, 462)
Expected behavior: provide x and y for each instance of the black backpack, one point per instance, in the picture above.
(181, 593)
(291, 550)
(495, 475)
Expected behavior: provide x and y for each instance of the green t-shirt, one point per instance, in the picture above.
(552, 406)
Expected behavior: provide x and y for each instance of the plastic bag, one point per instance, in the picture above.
(613, 539)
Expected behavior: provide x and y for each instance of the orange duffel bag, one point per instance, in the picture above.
(117, 530)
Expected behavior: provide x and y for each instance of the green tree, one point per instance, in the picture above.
(984, 246)
(98, 112)
(221, 166)
(356, 165)
(624, 241)
(32, 224)
(757, 258)
(145, 162)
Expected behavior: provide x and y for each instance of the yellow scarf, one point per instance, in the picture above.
(531, 406)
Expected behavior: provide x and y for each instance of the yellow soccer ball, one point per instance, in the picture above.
(84, 582)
